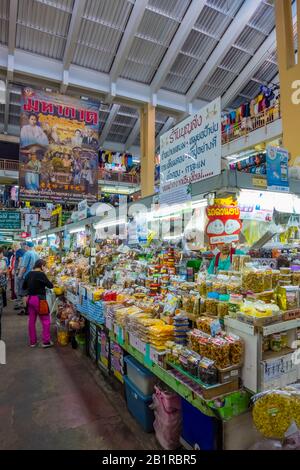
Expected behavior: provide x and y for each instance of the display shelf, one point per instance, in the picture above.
(239, 325)
(275, 354)
(225, 407)
(280, 327)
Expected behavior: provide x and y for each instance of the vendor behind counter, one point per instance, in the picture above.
(223, 260)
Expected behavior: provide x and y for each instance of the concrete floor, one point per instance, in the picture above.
(56, 399)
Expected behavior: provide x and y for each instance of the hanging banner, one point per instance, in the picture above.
(190, 152)
(224, 224)
(58, 147)
(277, 169)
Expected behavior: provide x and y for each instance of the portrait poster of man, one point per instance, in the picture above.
(58, 147)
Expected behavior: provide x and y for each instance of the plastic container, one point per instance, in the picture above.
(140, 376)
(138, 405)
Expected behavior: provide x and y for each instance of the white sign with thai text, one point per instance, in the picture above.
(190, 152)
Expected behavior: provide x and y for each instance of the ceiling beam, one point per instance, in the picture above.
(106, 129)
(232, 33)
(178, 41)
(77, 14)
(167, 126)
(133, 134)
(134, 21)
(36, 70)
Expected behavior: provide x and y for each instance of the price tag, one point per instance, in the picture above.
(90, 295)
(215, 327)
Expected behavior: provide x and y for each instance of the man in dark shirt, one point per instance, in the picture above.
(20, 251)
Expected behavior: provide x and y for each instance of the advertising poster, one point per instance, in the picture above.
(277, 169)
(224, 224)
(58, 147)
(190, 152)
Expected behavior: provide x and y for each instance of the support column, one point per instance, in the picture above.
(289, 73)
(147, 150)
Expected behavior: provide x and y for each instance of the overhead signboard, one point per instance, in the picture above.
(10, 220)
(58, 147)
(190, 152)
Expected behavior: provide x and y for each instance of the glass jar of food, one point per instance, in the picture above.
(284, 340)
(212, 304)
(275, 342)
(266, 344)
(223, 306)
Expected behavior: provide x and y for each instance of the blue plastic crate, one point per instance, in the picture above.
(198, 430)
(138, 405)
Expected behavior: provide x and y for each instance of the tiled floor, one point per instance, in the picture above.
(55, 399)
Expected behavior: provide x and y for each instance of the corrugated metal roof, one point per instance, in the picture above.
(64, 5)
(230, 7)
(209, 93)
(4, 15)
(161, 117)
(199, 45)
(264, 18)
(128, 110)
(266, 72)
(42, 28)
(222, 79)
(125, 121)
(177, 84)
(172, 8)
(118, 138)
(213, 22)
(34, 41)
(157, 28)
(250, 39)
(113, 13)
(3, 31)
(235, 59)
(251, 89)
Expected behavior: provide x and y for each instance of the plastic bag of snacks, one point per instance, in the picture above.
(274, 411)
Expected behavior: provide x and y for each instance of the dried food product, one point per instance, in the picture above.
(207, 371)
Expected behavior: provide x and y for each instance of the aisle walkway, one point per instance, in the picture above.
(55, 399)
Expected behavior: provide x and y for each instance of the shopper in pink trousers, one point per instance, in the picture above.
(35, 284)
(33, 311)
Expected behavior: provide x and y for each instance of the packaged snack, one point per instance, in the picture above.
(212, 304)
(223, 306)
(219, 352)
(274, 412)
(204, 324)
(275, 278)
(207, 371)
(236, 349)
(288, 297)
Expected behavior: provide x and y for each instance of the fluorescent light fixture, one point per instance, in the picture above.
(111, 223)
(175, 210)
(174, 237)
(77, 230)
